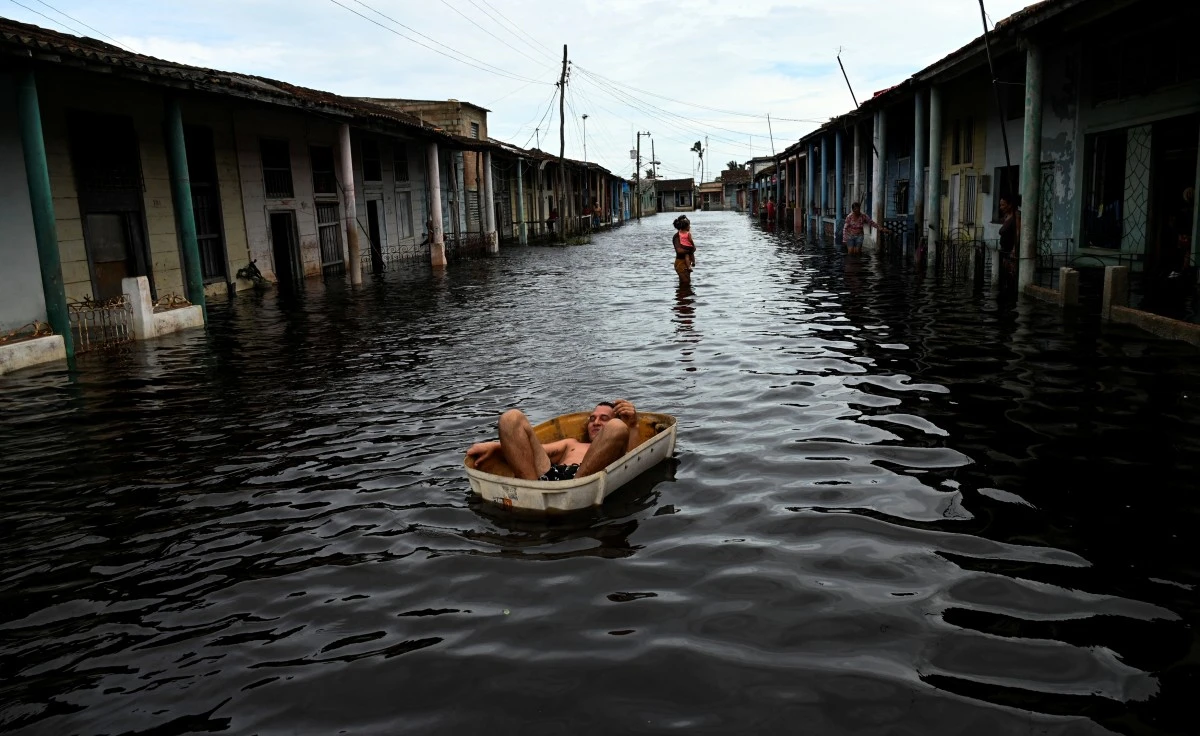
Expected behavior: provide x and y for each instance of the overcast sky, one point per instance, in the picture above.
(681, 71)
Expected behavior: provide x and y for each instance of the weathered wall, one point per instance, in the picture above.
(253, 123)
(969, 97)
(391, 191)
(21, 297)
(63, 90)
(218, 115)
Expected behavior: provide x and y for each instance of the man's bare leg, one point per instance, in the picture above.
(609, 445)
(519, 444)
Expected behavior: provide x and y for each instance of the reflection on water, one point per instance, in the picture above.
(898, 505)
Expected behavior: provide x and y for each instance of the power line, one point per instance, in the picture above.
(55, 22)
(521, 34)
(600, 82)
(85, 25)
(501, 40)
(510, 94)
(480, 65)
(692, 104)
(549, 105)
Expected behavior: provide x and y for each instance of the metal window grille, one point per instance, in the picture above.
(968, 142)
(277, 168)
(475, 130)
(329, 232)
(970, 193)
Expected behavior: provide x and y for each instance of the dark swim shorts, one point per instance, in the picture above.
(560, 472)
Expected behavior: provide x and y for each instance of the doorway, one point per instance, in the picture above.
(1174, 158)
(375, 233)
(284, 248)
(108, 179)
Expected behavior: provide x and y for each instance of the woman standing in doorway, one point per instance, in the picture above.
(685, 250)
(1010, 234)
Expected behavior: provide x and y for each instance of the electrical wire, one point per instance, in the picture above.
(480, 65)
(692, 104)
(520, 32)
(549, 105)
(55, 22)
(85, 25)
(485, 30)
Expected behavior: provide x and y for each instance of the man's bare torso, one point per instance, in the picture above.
(573, 452)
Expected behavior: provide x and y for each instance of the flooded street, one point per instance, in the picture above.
(897, 506)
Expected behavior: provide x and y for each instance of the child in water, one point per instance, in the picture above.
(685, 249)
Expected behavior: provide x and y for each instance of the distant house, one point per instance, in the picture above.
(712, 195)
(734, 183)
(676, 195)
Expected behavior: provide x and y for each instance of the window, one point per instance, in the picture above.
(1103, 225)
(1007, 182)
(475, 131)
(372, 170)
(956, 143)
(329, 232)
(404, 213)
(400, 161)
(277, 168)
(901, 200)
(970, 198)
(324, 178)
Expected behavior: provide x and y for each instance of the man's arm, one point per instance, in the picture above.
(625, 411)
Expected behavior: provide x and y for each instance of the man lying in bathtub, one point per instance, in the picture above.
(564, 459)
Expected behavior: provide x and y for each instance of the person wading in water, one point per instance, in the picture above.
(685, 250)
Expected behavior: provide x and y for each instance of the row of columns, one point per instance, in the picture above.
(927, 197)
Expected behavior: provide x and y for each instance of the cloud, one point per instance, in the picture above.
(710, 67)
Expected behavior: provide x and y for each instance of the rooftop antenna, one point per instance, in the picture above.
(848, 86)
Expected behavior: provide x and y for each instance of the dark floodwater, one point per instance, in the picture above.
(897, 507)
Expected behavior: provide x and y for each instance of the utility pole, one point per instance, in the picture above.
(587, 171)
(637, 178)
(637, 171)
(562, 146)
(706, 151)
(653, 159)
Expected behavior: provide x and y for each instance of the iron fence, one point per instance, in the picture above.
(97, 325)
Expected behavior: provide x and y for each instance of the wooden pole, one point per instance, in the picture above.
(562, 144)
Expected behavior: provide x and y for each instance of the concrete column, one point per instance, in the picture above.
(1068, 287)
(856, 187)
(181, 196)
(1116, 289)
(933, 187)
(137, 293)
(839, 187)
(540, 198)
(353, 261)
(437, 240)
(824, 184)
(808, 191)
(522, 233)
(488, 205)
(918, 162)
(878, 176)
(37, 176)
(1031, 166)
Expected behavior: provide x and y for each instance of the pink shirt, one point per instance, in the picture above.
(854, 224)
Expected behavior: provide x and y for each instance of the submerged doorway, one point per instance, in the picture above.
(285, 248)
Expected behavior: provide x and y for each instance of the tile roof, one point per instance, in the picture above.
(675, 185)
(47, 46)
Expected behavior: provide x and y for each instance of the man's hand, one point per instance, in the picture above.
(482, 451)
(625, 411)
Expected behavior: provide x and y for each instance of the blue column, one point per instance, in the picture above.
(808, 190)
(824, 180)
(839, 186)
(41, 200)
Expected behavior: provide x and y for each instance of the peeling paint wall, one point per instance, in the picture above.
(1061, 156)
(251, 125)
(62, 91)
(21, 297)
